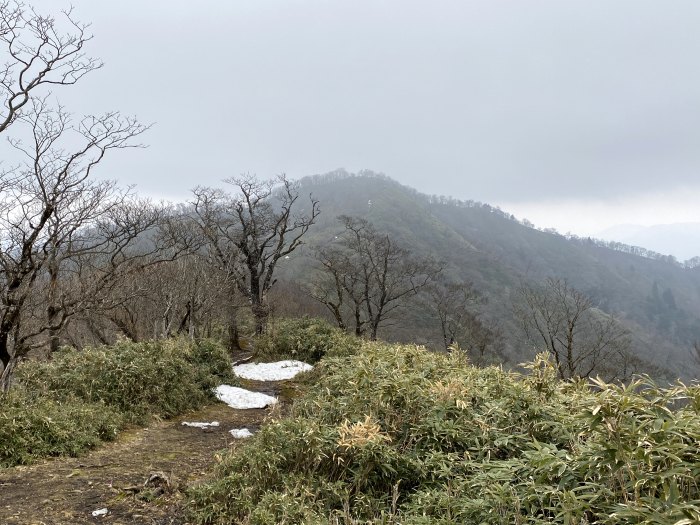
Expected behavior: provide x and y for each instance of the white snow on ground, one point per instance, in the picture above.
(241, 433)
(200, 425)
(240, 398)
(271, 371)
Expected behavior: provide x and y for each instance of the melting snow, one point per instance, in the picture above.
(240, 398)
(241, 433)
(200, 425)
(271, 371)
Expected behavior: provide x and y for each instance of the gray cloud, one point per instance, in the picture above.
(492, 100)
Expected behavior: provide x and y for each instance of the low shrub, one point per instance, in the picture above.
(395, 434)
(34, 427)
(212, 364)
(156, 378)
(305, 339)
(80, 398)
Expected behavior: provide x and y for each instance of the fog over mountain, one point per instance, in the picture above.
(681, 240)
(571, 114)
(656, 298)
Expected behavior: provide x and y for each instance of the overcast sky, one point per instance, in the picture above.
(575, 114)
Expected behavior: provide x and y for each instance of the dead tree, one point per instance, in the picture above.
(248, 231)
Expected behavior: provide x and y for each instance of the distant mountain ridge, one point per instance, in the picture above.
(658, 299)
(681, 240)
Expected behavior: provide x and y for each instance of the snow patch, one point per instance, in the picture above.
(278, 371)
(243, 399)
(197, 424)
(240, 433)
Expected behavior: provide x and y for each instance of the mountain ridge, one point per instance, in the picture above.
(654, 296)
(680, 239)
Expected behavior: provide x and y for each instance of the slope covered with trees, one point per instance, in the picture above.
(84, 262)
(655, 298)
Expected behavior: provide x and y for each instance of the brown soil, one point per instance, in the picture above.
(66, 491)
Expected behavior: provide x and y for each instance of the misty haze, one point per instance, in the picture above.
(407, 262)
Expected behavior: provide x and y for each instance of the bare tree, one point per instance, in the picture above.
(38, 51)
(180, 296)
(249, 231)
(339, 288)
(451, 302)
(367, 277)
(454, 305)
(481, 340)
(50, 209)
(65, 237)
(581, 339)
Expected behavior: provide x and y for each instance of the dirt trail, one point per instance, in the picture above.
(66, 491)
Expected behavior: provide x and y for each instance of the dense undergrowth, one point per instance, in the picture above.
(305, 339)
(80, 398)
(394, 434)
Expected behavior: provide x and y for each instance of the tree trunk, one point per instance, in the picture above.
(443, 327)
(335, 310)
(5, 356)
(257, 303)
(8, 362)
(358, 321)
(260, 314)
(6, 376)
(53, 311)
(191, 326)
(186, 323)
(54, 339)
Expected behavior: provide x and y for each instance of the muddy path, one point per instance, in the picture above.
(66, 491)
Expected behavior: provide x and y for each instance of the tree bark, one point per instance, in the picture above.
(260, 313)
(6, 376)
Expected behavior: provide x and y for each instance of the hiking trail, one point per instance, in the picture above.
(66, 491)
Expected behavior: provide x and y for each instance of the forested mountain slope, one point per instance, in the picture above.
(656, 298)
